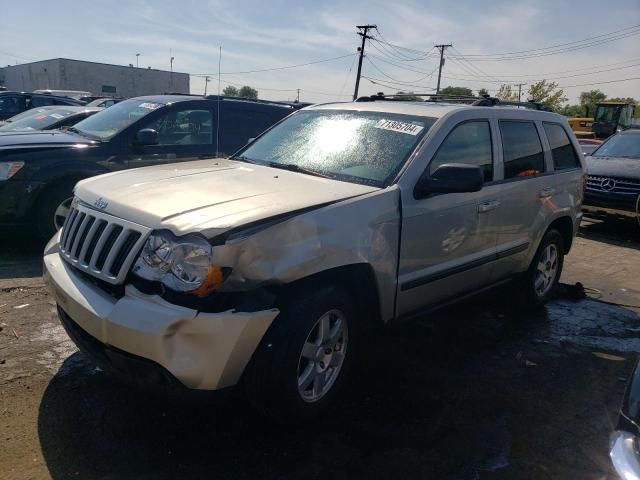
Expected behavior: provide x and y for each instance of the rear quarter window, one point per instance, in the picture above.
(522, 149)
(562, 151)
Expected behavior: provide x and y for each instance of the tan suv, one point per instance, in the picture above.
(263, 269)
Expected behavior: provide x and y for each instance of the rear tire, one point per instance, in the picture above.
(302, 363)
(544, 272)
(53, 209)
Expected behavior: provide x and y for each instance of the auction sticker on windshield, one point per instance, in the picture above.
(402, 127)
(150, 106)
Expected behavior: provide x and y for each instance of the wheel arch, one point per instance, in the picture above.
(52, 185)
(564, 225)
(359, 281)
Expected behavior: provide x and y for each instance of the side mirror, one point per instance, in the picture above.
(146, 136)
(450, 178)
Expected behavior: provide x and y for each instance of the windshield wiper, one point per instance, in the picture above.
(292, 167)
(83, 134)
(244, 159)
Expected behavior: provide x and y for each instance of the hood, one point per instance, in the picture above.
(614, 167)
(216, 194)
(42, 139)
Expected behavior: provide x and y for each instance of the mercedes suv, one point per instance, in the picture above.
(263, 270)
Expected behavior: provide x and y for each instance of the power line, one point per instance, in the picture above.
(346, 79)
(395, 79)
(548, 74)
(385, 83)
(548, 77)
(600, 83)
(403, 67)
(471, 58)
(266, 89)
(276, 68)
(557, 45)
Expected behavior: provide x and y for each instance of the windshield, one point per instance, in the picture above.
(37, 119)
(360, 147)
(111, 121)
(607, 113)
(621, 145)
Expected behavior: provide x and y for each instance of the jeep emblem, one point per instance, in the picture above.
(101, 203)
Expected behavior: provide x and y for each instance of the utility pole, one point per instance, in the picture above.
(172, 58)
(442, 48)
(207, 79)
(298, 96)
(363, 33)
(520, 89)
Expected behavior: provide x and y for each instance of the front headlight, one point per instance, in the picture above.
(183, 264)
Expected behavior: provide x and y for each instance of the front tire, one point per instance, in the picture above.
(302, 363)
(544, 272)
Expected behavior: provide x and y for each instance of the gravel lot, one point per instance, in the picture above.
(482, 390)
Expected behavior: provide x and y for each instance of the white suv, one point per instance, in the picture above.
(263, 269)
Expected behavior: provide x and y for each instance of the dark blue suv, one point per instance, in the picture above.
(13, 103)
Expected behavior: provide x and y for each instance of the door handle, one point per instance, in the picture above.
(547, 192)
(488, 206)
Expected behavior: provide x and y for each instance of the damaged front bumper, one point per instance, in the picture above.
(206, 351)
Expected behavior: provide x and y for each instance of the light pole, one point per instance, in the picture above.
(137, 60)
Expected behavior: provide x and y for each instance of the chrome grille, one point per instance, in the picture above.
(625, 186)
(100, 244)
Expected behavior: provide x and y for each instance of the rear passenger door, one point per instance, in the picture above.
(241, 121)
(525, 191)
(448, 241)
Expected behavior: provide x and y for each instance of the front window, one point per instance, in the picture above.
(621, 145)
(360, 147)
(108, 123)
(37, 119)
(607, 114)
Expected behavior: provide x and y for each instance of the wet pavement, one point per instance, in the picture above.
(482, 390)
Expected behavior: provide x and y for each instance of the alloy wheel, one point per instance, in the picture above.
(547, 270)
(322, 356)
(61, 213)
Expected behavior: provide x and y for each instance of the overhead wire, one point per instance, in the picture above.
(471, 58)
(285, 67)
(395, 79)
(615, 32)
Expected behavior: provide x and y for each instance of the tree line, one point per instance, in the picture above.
(546, 92)
(242, 92)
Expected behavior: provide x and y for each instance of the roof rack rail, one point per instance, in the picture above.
(483, 101)
(256, 100)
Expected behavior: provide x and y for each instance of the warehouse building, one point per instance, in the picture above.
(97, 78)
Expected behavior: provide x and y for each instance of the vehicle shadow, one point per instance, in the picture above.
(477, 391)
(20, 257)
(611, 230)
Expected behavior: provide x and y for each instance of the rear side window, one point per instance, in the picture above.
(564, 156)
(522, 149)
(469, 143)
(42, 101)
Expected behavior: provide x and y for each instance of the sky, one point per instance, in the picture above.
(257, 35)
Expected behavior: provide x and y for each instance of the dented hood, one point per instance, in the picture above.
(215, 194)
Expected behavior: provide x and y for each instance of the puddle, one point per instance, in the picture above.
(593, 325)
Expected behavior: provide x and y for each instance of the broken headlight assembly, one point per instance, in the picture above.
(182, 264)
